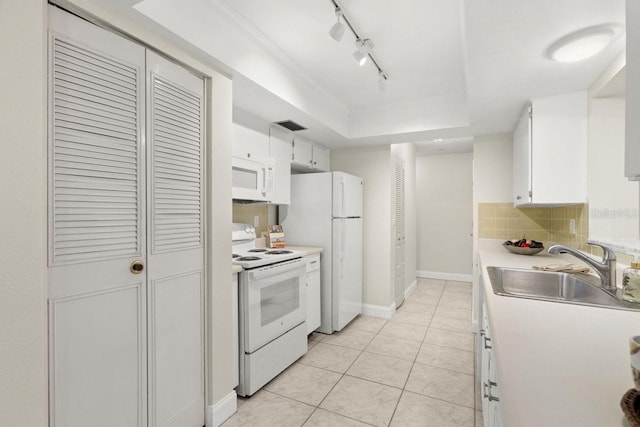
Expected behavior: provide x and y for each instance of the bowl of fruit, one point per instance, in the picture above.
(523, 246)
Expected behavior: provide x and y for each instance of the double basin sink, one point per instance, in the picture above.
(552, 286)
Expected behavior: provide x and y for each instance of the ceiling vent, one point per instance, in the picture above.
(291, 125)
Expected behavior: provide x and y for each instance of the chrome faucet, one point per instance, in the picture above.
(605, 269)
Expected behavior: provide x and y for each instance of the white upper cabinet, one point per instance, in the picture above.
(308, 156)
(280, 151)
(249, 143)
(320, 157)
(302, 152)
(550, 151)
(632, 100)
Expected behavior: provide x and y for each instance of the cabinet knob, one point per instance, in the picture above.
(518, 197)
(248, 154)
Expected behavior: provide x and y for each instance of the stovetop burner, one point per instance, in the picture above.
(279, 252)
(257, 250)
(249, 258)
(234, 256)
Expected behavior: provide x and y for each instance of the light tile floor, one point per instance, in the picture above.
(416, 369)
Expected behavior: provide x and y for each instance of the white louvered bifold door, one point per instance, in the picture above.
(97, 306)
(399, 214)
(175, 147)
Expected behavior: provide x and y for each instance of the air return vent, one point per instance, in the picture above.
(291, 125)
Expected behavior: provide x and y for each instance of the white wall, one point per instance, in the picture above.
(372, 164)
(444, 193)
(23, 216)
(492, 168)
(613, 200)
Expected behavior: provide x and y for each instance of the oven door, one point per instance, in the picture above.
(273, 302)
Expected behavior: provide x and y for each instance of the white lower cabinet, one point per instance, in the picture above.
(489, 385)
(313, 292)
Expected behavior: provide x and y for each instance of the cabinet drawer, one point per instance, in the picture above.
(313, 262)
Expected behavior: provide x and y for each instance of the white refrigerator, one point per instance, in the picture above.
(326, 212)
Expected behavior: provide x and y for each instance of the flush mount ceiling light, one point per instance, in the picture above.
(583, 44)
(337, 31)
(364, 46)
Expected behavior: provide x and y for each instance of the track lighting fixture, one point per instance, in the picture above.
(364, 47)
(337, 31)
(382, 81)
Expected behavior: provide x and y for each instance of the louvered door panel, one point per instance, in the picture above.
(95, 160)
(177, 166)
(175, 149)
(97, 221)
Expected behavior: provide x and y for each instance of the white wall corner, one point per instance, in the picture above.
(379, 310)
(411, 289)
(444, 276)
(222, 410)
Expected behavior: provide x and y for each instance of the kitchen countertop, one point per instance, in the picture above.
(308, 250)
(557, 364)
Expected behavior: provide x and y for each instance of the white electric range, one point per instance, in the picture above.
(246, 254)
(272, 309)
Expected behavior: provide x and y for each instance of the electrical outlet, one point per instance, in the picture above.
(256, 221)
(572, 226)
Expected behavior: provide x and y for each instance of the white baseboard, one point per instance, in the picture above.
(379, 310)
(444, 276)
(411, 289)
(222, 410)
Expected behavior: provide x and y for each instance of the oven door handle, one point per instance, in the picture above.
(276, 270)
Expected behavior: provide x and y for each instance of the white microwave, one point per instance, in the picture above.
(252, 178)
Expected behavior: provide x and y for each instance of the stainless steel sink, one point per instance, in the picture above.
(557, 287)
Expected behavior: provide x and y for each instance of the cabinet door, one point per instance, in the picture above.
(175, 112)
(522, 159)
(302, 152)
(559, 149)
(280, 151)
(320, 158)
(249, 143)
(313, 293)
(97, 306)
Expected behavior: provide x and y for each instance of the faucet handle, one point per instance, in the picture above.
(608, 253)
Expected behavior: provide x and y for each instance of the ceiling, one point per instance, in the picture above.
(456, 68)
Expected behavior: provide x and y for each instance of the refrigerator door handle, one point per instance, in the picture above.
(344, 201)
(341, 250)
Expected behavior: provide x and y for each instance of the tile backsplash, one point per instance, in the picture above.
(503, 221)
(246, 213)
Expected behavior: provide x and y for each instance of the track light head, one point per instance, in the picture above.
(363, 48)
(360, 57)
(337, 30)
(382, 81)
